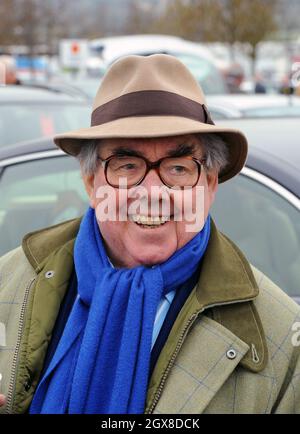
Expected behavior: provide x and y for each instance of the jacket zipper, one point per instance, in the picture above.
(12, 384)
(178, 347)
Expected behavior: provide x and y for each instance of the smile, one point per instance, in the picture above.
(149, 222)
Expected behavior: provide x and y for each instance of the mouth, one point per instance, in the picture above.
(150, 222)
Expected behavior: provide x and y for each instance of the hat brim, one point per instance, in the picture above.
(159, 126)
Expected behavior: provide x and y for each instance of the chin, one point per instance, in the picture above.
(153, 257)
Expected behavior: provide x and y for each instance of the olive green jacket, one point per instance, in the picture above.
(234, 347)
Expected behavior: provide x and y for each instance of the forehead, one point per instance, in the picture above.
(163, 144)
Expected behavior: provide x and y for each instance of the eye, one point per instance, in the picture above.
(124, 164)
(178, 170)
(128, 166)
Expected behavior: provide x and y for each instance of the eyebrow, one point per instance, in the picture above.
(181, 150)
(123, 152)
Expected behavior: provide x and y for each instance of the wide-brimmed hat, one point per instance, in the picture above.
(152, 96)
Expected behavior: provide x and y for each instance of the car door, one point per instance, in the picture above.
(263, 219)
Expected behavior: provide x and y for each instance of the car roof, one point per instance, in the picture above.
(34, 94)
(246, 102)
(274, 148)
(117, 46)
(27, 147)
(276, 136)
(278, 158)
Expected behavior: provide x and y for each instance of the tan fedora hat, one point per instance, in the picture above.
(152, 96)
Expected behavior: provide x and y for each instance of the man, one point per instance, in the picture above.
(234, 76)
(143, 306)
(259, 86)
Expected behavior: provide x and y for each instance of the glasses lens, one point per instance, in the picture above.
(129, 169)
(179, 172)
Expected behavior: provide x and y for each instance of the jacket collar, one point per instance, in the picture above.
(40, 244)
(226, 285)
(226, 275)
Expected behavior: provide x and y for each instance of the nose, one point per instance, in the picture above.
(152, 178)
(155, 194)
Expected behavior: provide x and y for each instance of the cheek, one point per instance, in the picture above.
(195, 206)
(97, 183)
(207, 201)
(211, 189)
(191, 205)
(106, 199)
(111, 232)
(208, 191)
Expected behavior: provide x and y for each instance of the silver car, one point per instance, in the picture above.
(28, 112)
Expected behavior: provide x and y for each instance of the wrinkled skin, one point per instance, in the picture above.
(127, 244)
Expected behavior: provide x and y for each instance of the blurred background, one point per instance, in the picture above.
(254, 44)
(244, 53)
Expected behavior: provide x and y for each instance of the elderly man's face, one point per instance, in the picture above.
(129, 243)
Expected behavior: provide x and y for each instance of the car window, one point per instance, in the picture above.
(205, 73)
(265, 226)
(221, 113)
(217, 115)
(30, 121)
(38, 194)
(286, 111)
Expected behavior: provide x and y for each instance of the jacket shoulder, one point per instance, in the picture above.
(14, 261)
(273, 298)
(16, 274)
(280, 317)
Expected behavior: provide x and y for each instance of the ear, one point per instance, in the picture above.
(89, 182)
(212, 184)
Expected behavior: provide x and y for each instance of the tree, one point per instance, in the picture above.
(179, 19)
(247, 22)
(32, 23)
(227, 21)
(8, 25)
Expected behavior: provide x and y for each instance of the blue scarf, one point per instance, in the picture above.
(101, 363)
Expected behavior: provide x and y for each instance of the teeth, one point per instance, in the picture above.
(151, 221)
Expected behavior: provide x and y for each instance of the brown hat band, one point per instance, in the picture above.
(150, 103)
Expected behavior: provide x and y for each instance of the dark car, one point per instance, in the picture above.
(28, 112)
(259, 209)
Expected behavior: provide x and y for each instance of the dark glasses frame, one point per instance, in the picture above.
(155, 165)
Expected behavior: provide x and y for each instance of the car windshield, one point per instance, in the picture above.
(20, 122)
(205, 73)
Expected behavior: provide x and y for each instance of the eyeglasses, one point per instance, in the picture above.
(174, 172)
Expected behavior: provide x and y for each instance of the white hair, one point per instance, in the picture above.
(88, 157)
(214, 147)
(215, 150)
